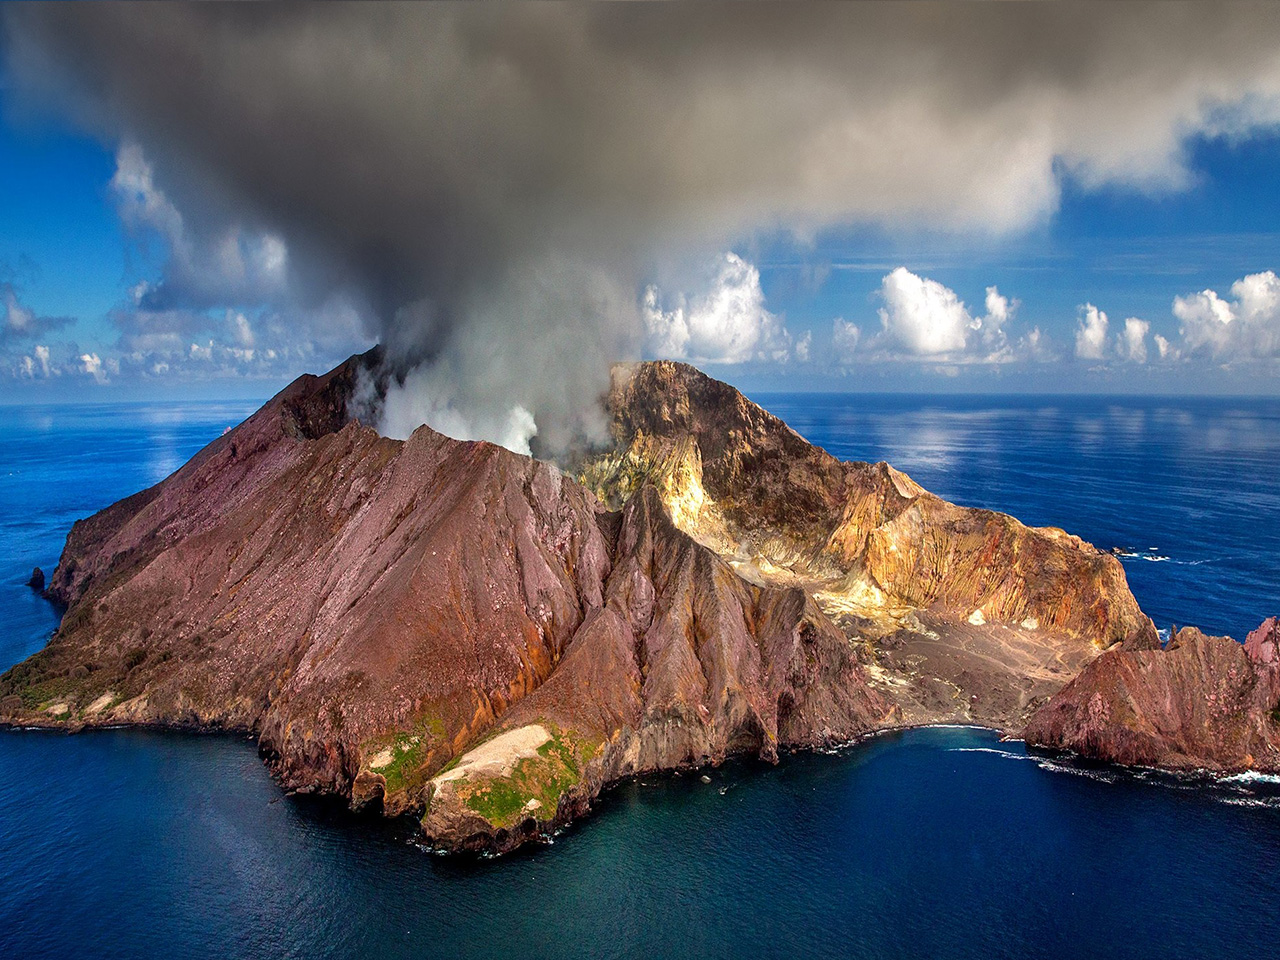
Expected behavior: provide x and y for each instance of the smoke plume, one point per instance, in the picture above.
(492, 186)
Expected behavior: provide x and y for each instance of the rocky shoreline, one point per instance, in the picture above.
(487, 641)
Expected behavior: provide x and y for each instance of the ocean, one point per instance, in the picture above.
(941, 843)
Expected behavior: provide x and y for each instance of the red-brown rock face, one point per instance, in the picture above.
(1202, 702)
(684, 663)
(1263, 643)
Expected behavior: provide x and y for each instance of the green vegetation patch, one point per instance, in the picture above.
(557, 768)
(38, 686)
(410, 752)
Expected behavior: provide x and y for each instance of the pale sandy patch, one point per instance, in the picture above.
(879, 674)
(499, 756)
(100, 704)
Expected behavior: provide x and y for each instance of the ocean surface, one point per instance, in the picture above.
(930, 843)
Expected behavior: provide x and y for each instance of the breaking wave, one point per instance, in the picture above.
(1249, 789)
(1151, 555)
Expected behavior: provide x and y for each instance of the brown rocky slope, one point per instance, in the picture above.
(1200, 703)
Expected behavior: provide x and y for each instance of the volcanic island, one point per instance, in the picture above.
(486, 641)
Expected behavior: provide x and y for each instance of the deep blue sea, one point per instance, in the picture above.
(942, 843)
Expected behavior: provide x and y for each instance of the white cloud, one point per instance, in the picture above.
(727, 324)
(91, 364)
(1132, 343)
(923, 318)
(36, 365)
(1091, 333)
(922, 315)
(803, 346)
(1129, 344)
(241, 329)
(1166, 349)
(1036, 346)
(1245, 327)
(844, 339)
(140, 203)
(18, 320)
(998, 307)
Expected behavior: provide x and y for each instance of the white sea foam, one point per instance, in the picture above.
(1102, 776)
(1252, 776)
(1267, 802)
(998, 753)
(1152, 555)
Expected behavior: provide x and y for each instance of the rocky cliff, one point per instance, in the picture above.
(450, 629)
(964, 614)
(1200, 703)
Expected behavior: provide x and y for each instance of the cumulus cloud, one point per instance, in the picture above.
(222, 307)
(925, 319)
(844, 339)
(726, 324)
(922, 315)
(91, 364)
(1131, 344)
(1037, 346)
(41, 363)
(1244, 327)
(803, 346)
(1091, 333)
(479, 181)
(20, 325)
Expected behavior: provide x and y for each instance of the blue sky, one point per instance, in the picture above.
(1083, 213)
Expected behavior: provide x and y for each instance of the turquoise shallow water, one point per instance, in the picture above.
(931, 843)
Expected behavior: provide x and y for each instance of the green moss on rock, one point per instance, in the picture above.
(558, 767)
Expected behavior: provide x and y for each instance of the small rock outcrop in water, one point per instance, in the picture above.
(36, 582)
(452, 629)
(1200, 703)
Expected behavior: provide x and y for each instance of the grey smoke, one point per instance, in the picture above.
(492, 185)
